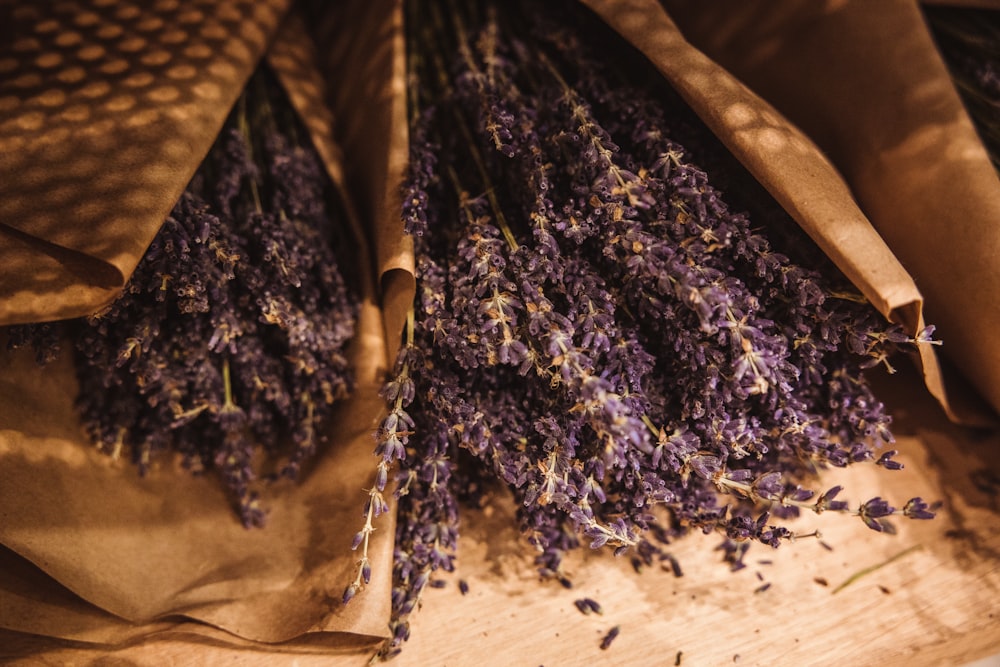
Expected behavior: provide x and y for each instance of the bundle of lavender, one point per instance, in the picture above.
(229, 338)
(969, 40)
(595, 327)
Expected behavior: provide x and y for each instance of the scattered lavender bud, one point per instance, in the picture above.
(675, 565)
(733, 553)
(886, 461)
(610, 637)
(588, 606)
(916, 508)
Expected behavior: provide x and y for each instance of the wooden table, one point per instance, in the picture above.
(933, 601)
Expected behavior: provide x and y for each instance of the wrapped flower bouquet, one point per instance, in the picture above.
(311, 309)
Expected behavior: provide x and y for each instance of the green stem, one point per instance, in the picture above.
(227, 384)
(244, 124)
(868, 570)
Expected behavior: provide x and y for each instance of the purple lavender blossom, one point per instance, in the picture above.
(596, 327)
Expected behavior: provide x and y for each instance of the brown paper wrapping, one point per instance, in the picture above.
(369, 62)
(246, 583)
(34, 601)
(92, 552)
(865, 82)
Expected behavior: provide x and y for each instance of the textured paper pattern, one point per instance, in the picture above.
(106, 110)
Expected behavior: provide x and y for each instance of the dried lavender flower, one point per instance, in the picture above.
(588, 606)
(610, 637)
(563, 208)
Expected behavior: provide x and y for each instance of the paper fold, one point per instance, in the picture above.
(369, 62)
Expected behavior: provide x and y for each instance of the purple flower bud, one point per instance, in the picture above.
(827, 502)
(359, 537)
(877, 507)
(916, 508)
(769, 486)
(599, 540)
(740, 475)
(872, 511)
(704, 466)
(798, 494)
(381, 476)
(887, 462)
(610, 637)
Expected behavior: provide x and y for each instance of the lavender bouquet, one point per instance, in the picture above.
(596, 328)
(229, 338)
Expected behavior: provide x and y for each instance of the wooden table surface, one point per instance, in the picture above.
(933, 601)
